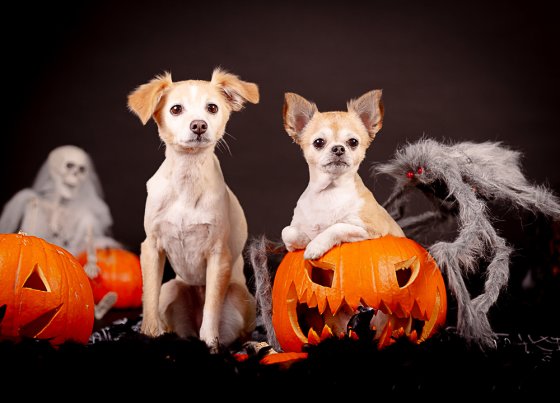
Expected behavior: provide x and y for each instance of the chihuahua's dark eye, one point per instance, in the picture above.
(318, 143)
(352, 143)
(176, 110)
(212, 108)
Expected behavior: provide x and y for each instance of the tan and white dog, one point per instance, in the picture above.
(336, 206)
(192, 217)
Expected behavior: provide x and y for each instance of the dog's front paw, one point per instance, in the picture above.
(315, 250)
(151, 328)
(289, 246)
(211, 340)
(294, 239)
(375, 235)
(213, 345)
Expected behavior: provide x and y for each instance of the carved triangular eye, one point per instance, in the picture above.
(37, 280)
(407, 271)
(321, 273)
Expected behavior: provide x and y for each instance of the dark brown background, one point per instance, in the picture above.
(449, 70)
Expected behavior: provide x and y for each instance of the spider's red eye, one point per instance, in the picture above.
(420, 170)
(410, 174)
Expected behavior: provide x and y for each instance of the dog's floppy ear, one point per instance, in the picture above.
(369, 108)
(297, 112)
(235, 90)
(143, 100)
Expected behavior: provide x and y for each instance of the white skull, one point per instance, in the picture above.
(69, 168)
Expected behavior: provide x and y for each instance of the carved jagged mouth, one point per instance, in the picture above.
(34, 328)
(315, 321)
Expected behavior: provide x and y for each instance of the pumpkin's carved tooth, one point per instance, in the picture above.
(313, 337)
(408, 326)
(326, 332)
(383, 307)
(322, 303)
(416, 312)
(399, 311)
(413, 336)
(335, 302)
(385, 334)
(398, 333)
(312, 302)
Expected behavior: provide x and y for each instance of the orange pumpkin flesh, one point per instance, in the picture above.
(119, 272)
(314, 300)
(44, 293)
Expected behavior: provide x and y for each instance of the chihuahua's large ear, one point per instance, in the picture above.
(143, 100)
(369, 108)
(298, 111)
(236, 91)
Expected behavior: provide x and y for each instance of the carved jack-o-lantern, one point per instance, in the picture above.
(391, 281)
(119, 272)
(44, 292)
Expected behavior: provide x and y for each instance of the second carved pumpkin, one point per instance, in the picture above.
(391, 281)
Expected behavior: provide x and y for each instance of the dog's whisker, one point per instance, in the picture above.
(223, 143)
(233, 137)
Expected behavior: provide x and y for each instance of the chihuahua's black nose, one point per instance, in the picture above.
(199, 127)
(338, 150)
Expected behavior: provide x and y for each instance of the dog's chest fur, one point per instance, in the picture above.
(317, 210)
(184, 214)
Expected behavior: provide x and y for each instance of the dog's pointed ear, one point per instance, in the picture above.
(369, 108)
(144, 100)
(297, 112)
(236, 91)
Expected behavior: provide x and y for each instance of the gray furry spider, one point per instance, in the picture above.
(461, 180)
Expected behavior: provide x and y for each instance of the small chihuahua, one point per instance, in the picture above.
(336, 207)
(191, 215)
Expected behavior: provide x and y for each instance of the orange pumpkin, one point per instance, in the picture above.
(44, 292)
(119, 272)
(396, 277)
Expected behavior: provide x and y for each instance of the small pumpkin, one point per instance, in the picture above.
(44, 292)
(392, 281)
(119, 272)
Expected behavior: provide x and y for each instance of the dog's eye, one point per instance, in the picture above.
(176, 110)
(352, 143)
(318, 143)
(212, 108)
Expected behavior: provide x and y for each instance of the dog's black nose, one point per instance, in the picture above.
(199, 127)
(338, 150)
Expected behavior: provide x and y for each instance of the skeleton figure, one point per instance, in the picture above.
(65, 207)
(461, 180)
